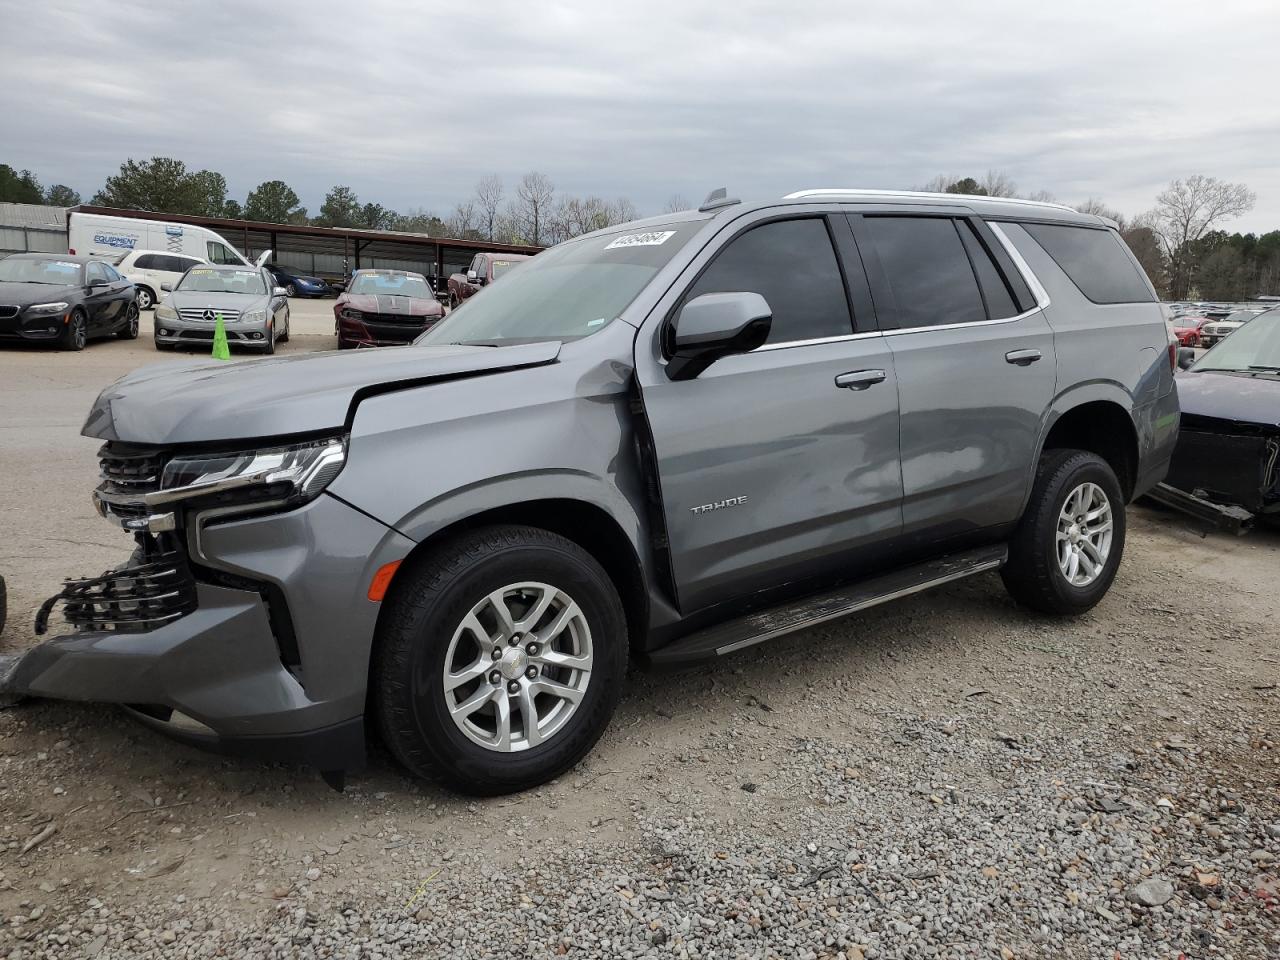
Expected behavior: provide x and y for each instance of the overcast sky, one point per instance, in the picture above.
(411, 107)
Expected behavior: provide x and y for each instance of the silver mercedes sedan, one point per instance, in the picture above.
(254, 311)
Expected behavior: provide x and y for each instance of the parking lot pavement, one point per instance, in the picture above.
(947, 776)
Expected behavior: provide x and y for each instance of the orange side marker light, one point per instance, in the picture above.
(382, 580)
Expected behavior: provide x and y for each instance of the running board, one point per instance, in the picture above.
(747, 631)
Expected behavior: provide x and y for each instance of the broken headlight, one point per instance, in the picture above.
(292, 474)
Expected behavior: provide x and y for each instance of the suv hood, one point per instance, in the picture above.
(183, 403)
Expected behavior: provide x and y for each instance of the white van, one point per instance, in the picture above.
(95, 235)
(150, 270)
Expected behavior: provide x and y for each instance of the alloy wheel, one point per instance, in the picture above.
(1085, 528)
(517, 667)
(144, 298)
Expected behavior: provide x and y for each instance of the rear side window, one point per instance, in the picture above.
(925, 263)
(792, 264)
(995, 291)
(147, 262)
(1095, 261)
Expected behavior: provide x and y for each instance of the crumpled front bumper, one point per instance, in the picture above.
(271, 662)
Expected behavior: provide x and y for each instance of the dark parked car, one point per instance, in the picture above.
(383, 308)
(298, 284)
(1229, 444)
(484, 269)
(64, 299)
(666, 441)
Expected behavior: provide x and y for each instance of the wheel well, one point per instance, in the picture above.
(589, 527)
(1104, 428)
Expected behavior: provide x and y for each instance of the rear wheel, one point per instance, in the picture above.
(146, 299)
(76, 333)
(1068, 545)
(500, 661)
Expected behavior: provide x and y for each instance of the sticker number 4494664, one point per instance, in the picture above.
(653, 238)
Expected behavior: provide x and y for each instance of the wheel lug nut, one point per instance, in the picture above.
(532, 673)
(532, 649)
(497, 653)
(515, 639)
(513, 687)
(495, 678)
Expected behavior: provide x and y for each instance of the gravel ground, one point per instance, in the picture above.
(942, 777)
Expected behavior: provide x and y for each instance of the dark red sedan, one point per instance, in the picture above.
(382, 308)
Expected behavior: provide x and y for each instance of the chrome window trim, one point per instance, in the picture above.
(1037, 288)
(842, 338)
(961, 326)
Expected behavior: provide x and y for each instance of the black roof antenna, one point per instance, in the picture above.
(717, 198)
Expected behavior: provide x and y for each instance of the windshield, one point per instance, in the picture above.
(60, 273)
(570, 291)
(392, 284)
(1254, 347)
(206, 280)
(502, 266)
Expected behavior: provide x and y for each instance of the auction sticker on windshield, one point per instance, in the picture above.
(654, 238)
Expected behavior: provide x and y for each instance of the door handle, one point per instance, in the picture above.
(1022, 358)
(860, 379)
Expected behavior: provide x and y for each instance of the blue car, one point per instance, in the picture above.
(299, 284)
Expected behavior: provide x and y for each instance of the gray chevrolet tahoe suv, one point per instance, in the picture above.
(666, 441)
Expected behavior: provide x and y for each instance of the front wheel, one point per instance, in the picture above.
(1067, 548)
(130, 329)
(76, 334)
(500, 660)
(146, 299)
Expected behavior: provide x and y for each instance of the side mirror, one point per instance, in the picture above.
(1186, 357)
(716, 325)
(97, 282)
(166, 288)
(279, 292)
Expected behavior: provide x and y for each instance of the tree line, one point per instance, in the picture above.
(1179, 242)
(532, 212)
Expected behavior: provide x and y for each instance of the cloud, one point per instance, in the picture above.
(411, 104)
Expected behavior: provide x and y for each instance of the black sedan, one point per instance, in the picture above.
(1229, 442)
(64, 300)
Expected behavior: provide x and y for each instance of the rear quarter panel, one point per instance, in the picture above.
(1113, 352)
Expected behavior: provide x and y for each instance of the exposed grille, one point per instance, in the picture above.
(207, 314)
(398, 319)
(7, 311)
(129, 599)
(129, 471)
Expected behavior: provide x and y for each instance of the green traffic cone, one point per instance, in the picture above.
(220, 349)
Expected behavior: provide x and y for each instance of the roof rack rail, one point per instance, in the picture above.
(917, 194)
(717, 198)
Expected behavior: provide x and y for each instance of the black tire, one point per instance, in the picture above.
(130, 329)
(284, 337)
(429, 600)
(1033, 575)
(4, 604)
(76, 334)
(269, 347)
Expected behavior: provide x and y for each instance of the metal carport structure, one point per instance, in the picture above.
(333, 252)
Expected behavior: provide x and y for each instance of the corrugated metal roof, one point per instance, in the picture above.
(35, 216)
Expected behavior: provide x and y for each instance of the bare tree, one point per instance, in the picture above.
(532, 206)
(1185, 211)
(675, 203)
(997, 183)
(489, 193)
(1099, 209)
(623, 210)
(462, 222)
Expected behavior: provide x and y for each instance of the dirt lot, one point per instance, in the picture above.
(947, 776)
